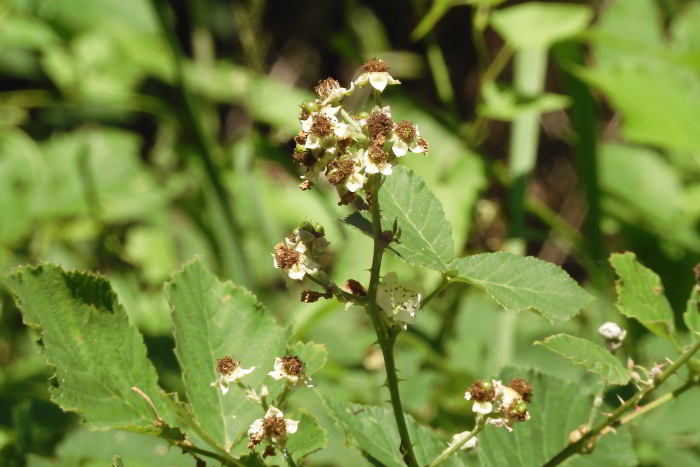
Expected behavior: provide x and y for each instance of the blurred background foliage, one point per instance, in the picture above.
(126, 153)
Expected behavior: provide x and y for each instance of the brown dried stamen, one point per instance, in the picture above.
(305, 157)
(522, 387)
(311, 296)
(321, 125)
(379, 123)
(304, 114)
(325, 87)
(285, 257)
(405, 130)
(482, 391)
(377, 154)
(269, 451)
(306, 185)
(274, 426)
(338, 170)
(346, 198)
(343, 144)
(424, 144)
(301, 138)
(292, 365)
(375, 65)
(517, 411)
(226, 365)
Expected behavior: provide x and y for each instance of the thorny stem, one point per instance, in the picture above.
(203, 452)
(385, 339)
(614, 419)
(455, 447)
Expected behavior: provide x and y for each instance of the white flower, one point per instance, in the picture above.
(230, 371)
(356, 180)
(377, 160)
(274, 426)
(323, 128)
(482, 407)
(290, 368)
(376, 73)
(471, 444)
(406, 137)
(398, 302)
(292, 258)
(330, 91)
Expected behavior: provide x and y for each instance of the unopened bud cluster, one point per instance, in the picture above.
(347, 148)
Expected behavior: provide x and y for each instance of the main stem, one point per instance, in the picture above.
(386, 341)
(613, 418)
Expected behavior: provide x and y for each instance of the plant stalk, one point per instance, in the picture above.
(386, 341)
(455, 447)
(614, 419)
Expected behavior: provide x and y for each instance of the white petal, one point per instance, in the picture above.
(471, 444)
(306, 124)
(400, 148)
(256, 427)
(416, 147)
(292, 426)
(274, 262)
(393, 80)
(297, 271)
(224, 388)
(362, 79)
(278, 375)
(386, 169)
(509, 396)
(468, 395)
(371, 168)
(341, 130)
(312, 142)
(355, 182)
(273, 411)
(482, 407)
(278, 366)
(379, 80)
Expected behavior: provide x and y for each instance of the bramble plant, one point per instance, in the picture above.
(443, 363)
(239, 367)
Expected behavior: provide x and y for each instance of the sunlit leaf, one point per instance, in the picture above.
(640, 294)
(590, 355)
(520, 283)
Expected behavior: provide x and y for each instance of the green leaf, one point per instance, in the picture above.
(212, 320)
(309, 438)
(692, 313)
(539, 25)
(85, 334)
(426, 237)
(374, 430)
(640, 295)
(588, 354)
(519, 283)
(506, 104)
(312, 354)
(558, 408)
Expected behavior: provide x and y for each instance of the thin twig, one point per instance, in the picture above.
(613, 419)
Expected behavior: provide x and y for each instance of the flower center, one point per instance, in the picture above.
(286, 257)
(375, 65)
(378, 155)
(274, 426)
(338, 170)
(522, 387)
(304, 157)
(292, 365)
(325, 87)
(482, 391)
(226, 365)
(379, 123)
(406, 130)
(321, 125)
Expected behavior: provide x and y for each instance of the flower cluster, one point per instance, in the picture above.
(346, 148)
(298, 253)
(502, 405)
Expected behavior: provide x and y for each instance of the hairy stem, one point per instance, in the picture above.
(203, 452)
(385, 339)
(455, 447)
(614, 419)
